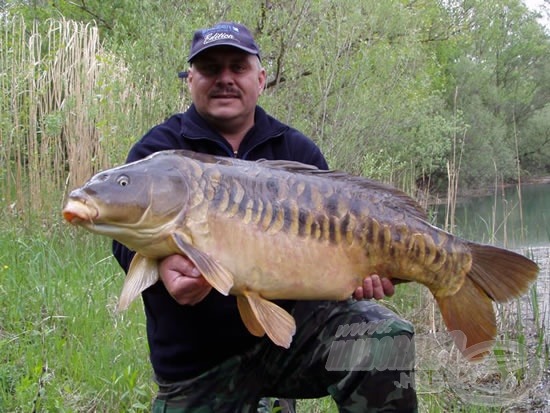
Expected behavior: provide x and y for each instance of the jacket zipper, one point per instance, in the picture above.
(234, 154)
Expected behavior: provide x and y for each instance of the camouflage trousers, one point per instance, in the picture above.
(358, 352)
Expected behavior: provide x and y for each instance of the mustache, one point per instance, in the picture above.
(225, 91)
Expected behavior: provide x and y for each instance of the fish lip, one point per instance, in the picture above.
(80, 211)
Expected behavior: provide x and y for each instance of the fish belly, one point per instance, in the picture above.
(281, 266)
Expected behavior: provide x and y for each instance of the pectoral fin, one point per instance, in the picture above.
(217, 276)
(267, 316)
(142, 274)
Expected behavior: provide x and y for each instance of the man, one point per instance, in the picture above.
(203, 357)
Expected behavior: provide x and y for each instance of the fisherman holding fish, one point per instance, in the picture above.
(203, 356)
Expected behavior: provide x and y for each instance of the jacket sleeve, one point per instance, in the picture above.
(317, 158)
(305, 150)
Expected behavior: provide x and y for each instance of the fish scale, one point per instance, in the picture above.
(282, 230)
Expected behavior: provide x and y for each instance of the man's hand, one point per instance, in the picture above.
(374, 287)
(183, 280)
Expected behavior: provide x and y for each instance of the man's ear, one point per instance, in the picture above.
(262, 79)
(189, 78)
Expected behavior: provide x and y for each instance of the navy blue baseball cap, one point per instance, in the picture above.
(223, 34)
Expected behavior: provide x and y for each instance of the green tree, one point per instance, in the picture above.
(500, 75)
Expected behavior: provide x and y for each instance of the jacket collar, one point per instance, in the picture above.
(265, 128)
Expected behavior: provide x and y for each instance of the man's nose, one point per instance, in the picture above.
(225, 76)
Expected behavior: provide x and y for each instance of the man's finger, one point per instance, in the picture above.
(377, 288)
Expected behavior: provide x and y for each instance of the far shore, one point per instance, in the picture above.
(441, 198)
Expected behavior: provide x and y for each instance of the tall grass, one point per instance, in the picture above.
(48, 125)
(62, 347)
(67, 109)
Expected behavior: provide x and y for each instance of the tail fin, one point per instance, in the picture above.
(501, 273)
(470, 311)
(496, 275)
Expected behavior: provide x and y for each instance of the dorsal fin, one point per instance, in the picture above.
(208, 158)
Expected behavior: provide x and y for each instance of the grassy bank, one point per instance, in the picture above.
(63, 348)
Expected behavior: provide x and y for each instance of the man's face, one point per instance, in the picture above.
(225, 84)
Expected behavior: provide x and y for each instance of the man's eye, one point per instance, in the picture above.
(209, 69)
(238, 68)
(212, 69)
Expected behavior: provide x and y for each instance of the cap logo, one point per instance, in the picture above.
(213, 37)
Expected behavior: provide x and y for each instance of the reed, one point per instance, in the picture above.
(50, 128)
(453, 169)
(68, 108)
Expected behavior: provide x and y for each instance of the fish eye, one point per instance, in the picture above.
(123, 180)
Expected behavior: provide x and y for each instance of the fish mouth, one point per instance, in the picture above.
(79, 212)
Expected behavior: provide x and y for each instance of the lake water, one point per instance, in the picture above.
(502, 220)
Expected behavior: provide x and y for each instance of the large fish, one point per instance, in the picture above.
(270, 230)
